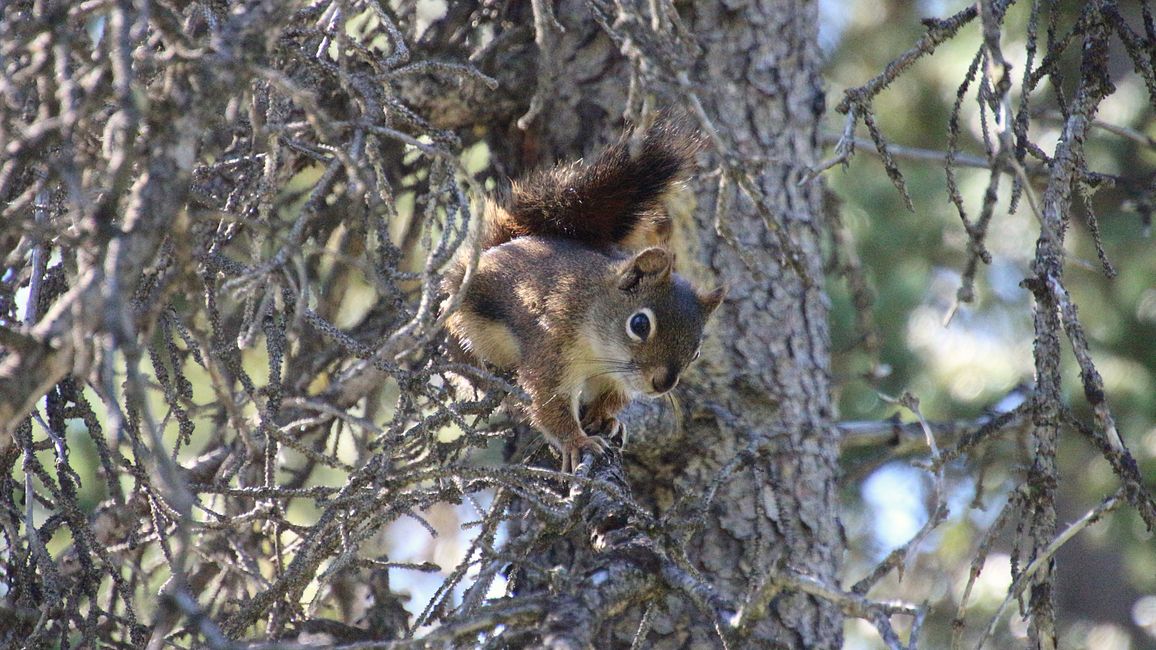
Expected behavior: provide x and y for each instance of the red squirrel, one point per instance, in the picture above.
(575, 289)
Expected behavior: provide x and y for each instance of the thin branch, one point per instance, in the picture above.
(1046, 557)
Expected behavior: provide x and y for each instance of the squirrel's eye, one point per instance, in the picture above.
(640, 325)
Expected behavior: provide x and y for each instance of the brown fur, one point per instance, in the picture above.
(556, 286)
(607, 202)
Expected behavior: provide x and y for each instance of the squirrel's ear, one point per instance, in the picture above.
(711, 299)
(651, 264)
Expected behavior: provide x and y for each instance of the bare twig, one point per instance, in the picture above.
(1046, 558)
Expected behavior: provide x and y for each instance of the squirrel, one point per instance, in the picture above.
(575, 290)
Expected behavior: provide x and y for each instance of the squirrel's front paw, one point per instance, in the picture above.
(572, 452)
(610, 429)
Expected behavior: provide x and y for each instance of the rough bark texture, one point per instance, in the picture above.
(758, 413)
(772, 372)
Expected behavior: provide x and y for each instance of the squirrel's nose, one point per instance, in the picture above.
(665, 381)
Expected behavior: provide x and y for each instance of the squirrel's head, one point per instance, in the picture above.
(659, 318)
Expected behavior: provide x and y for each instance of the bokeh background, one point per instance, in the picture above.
(981, 361)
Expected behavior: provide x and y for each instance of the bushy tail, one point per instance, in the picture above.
(603, 203)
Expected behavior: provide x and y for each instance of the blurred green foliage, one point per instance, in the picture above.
(913, 262)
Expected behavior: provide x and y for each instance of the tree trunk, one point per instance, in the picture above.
(757, 418)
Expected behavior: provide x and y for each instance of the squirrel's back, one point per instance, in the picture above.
(608, 202)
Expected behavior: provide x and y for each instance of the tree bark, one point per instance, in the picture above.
(757, 419)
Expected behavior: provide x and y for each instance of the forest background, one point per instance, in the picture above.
(220, 297)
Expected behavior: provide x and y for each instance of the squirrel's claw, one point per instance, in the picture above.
(572, 453)
(609, 428)
(615, 432)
